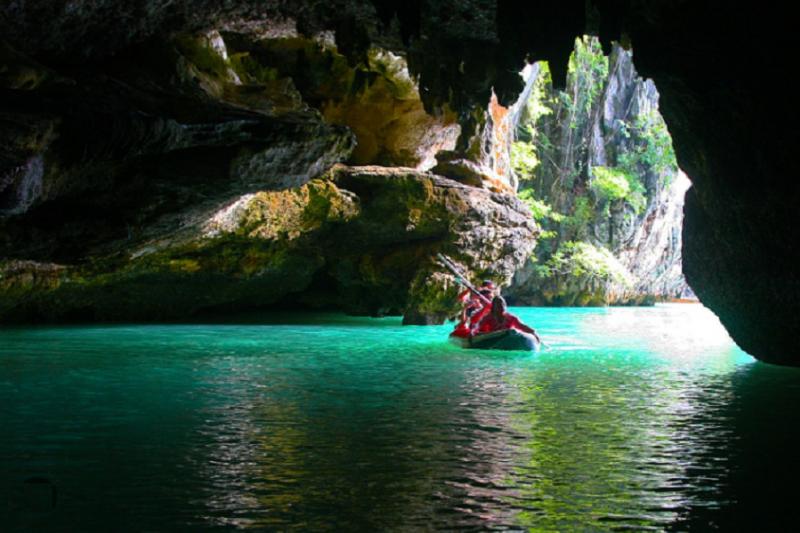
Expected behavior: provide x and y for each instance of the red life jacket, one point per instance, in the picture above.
(489, 323)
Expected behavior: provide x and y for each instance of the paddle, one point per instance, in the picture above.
(539, 339)
(460, 277)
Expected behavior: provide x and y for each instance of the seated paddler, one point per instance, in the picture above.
(473, 303)
(499, 318)
(470, 320)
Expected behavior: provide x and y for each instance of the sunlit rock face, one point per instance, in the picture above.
(486, 161)
(597, 162)
(361, 239)
(376, 99)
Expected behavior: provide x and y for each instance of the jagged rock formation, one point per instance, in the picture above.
(740, 232)
(598, 168)
(361, 239)
(169, 144)
(486, 160)
(376, 99)
(119, 155)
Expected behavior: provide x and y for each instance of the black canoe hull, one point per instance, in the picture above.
(507, 339)
(461, 342)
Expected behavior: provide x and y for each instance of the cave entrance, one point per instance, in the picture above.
(594, 162)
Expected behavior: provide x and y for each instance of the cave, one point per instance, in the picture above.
(213, 216)
(102, 136)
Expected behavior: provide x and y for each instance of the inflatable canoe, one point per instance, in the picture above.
(505, 339)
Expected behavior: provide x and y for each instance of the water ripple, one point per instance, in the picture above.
(362, 424)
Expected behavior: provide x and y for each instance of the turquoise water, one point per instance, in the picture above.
(646, 418)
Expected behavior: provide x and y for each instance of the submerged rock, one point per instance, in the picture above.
(361, 239)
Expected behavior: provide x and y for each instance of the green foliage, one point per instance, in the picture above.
(540, 210)
(539, 103)
(544, 143)
(583, 260)
(652, 146)
(614, 183)
(610, 183)
(637, 195)
(586, 73)
(523, 159)
(542, 271)
(582, 214)
(586, 196)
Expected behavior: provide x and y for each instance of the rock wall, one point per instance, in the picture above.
(741, 232)
(377, 99)
(359, 239)
(177, 128)
(177, 178)
(105, 157)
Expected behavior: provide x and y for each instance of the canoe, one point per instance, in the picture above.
(459, 340)
(505, 339)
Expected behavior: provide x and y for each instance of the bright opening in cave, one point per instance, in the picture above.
(594, 162)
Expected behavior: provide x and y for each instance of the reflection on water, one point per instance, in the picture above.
(618, 450)
(631, 419)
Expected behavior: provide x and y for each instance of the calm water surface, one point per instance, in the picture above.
(631, 419)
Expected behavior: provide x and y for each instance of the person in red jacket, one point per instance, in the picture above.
(474, 304)
(499, 318)
(475, 310)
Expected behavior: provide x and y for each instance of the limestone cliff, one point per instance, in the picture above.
(597, 168)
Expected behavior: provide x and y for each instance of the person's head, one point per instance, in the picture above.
(489, 286)
(498, 306)
(486, 293)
